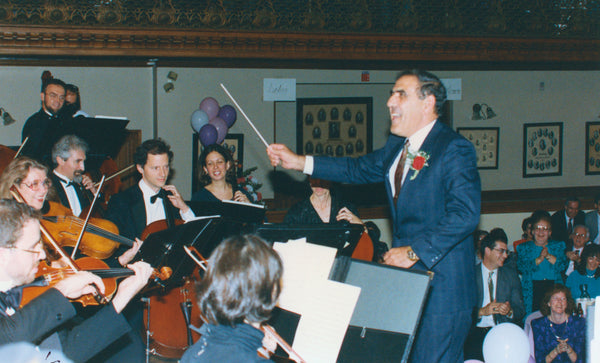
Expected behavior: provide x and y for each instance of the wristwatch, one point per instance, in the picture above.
(412, 255)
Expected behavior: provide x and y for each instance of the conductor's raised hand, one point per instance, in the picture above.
(281, 154)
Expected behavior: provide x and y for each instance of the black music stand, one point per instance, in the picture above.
(165, 248)
(343, 237)
(241, 212)
(105, 137)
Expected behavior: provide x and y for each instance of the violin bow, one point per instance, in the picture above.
(21, 147)
(87, 219)
(196, 257)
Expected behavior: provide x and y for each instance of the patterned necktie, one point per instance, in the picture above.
(400, 170)
(570, 227)
(491, 290)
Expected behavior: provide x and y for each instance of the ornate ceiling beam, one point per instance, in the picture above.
(43, 41)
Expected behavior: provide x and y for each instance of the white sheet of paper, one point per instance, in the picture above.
(329, 305)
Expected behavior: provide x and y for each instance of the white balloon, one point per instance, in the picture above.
(506, 343)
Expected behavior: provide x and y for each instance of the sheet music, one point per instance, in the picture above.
(329, 305)
(202, 217)
(326, 306)
(111, 117)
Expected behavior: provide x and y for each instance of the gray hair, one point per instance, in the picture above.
(13, 216)
(65, 144)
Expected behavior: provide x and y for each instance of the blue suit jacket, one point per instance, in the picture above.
(435, 213)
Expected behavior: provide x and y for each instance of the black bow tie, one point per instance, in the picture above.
(10, 299)
(162, 194)
(67, 183)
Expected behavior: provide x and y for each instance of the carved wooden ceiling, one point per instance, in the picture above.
(557, 34)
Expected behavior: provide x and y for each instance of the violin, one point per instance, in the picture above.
(50, 276)
(101, 239)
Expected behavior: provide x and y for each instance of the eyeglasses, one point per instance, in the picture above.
(39, 248)
(558, 298)
(541, 228)
(502, 250)
(579, 234)
(38, 184)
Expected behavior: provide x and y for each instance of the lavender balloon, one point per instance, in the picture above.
(221, 127)
(208, 135)
(210, 106)
(199, 118)
(228, 114)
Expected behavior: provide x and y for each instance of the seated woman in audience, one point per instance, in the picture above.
(217, 177)
(527, 235)
(236, 296)
(586, 273)
(540, 262)
(558, 336)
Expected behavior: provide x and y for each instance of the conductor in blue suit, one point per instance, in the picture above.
(434, 198)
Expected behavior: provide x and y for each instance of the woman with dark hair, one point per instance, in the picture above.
(236, 295)
(558, 336)
(540, 262)
(217, 177)
(586, 273)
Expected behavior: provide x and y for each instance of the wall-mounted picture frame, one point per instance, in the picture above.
(542, 149)
(334, 126)
(486, 143)
(592, 148)
(232, 142)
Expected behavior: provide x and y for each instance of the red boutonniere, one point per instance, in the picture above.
(417, 162)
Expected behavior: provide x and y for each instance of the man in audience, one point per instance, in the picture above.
(499, 297)
(591, 220)
(42, 126)
(151, 199)
(42, 320)
(566, 219)
(71, 185)
(579, 238)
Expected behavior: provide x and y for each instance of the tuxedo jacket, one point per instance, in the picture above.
(559, 225)
(62, 195)
(48, 314)
(508, 288)
(436, 212)
(128, 211)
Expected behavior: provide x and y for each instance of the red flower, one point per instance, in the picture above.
(418, 162)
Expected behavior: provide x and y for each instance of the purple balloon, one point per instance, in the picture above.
(199, 118)
(208, 135)
(210, 106)
(221, 127)
(228, 114)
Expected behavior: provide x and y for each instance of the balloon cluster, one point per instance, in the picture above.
(212, 122)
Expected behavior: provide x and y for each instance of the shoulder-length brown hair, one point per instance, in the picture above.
(243, 282)
(545, 309)
(16, 172)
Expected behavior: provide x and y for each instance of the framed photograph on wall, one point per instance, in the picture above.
(233, 142)
(542, 149)
(485, 140)
(592, 148)
(334, 126)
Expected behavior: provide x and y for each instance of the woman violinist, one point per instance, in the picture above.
(30, 178)
(236, 296)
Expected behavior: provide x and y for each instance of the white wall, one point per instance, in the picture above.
(570, 97)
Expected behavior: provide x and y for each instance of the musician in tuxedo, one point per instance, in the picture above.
(44, 126)
(434, 204)
(564, 220)
(73, 189)
(499, 297)
(50, 319)
(151, 199)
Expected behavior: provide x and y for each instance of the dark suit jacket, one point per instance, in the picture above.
(62, 195)
(559, 225)
(45, 314)
(435, 213)
(591, 222)
(43, 131)
(127, 210)
(508, 289)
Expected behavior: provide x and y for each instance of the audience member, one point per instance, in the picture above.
(527, 233)
(236, 296)
(558, 336)
(499, 297)
(566, 219)
(540, 262)
(478, 235)
(586, 273)
(579, 238)
(591, 220)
